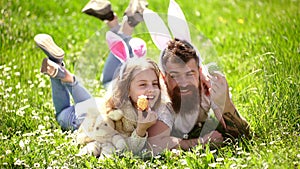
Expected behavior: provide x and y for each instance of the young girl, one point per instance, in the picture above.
(136, 77)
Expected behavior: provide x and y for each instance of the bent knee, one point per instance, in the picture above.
(67, 119)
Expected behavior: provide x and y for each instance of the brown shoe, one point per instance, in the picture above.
(100, 9)
(52, 69)
(135, 10)
(47, 44)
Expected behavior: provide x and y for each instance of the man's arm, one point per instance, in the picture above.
(160, 139)
(234, 124)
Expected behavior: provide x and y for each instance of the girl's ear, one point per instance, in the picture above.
(177, 22)
(117, 46)
(159, 32)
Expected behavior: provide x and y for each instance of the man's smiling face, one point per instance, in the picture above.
(182, 80)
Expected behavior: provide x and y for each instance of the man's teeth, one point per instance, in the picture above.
(183, 91)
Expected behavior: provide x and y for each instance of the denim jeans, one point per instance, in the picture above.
(111, 64)
(65, 112)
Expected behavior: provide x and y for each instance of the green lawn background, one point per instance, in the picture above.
(256, 44)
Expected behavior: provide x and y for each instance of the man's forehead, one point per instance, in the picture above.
(172, 67)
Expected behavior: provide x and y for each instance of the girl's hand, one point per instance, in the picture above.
(146, 119)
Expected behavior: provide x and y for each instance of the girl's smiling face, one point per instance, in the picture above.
(145, 83)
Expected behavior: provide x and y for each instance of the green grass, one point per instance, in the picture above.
(256, 43)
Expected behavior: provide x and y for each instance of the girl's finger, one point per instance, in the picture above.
(145, 114)
(151, 116)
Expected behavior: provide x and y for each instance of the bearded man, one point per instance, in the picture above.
(193, 94)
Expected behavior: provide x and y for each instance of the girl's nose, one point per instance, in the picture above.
(150, 89)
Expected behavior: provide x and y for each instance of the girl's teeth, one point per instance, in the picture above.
(150, 97)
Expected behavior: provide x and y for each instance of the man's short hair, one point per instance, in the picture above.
(178, 51)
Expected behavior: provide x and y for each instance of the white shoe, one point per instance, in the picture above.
(100, 9)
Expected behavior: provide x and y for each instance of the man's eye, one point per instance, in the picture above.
(142, 84)
(173, 76)
(190, 74)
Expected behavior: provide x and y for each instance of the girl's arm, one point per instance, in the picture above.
(136, 142)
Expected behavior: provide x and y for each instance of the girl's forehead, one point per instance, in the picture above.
(144, 74)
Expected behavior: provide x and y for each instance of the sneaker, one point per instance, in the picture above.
(52, 69)
(46, 43)
(135, 10)
(100, 9)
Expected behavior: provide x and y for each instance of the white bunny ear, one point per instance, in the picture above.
(177, 22)
(158, 30)
(138, 47)
(117, 46)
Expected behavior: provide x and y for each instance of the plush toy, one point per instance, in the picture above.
(97, 132)
(103, 139)
(125, 119)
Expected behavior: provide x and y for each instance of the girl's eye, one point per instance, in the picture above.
(143, 84)
(155, 84)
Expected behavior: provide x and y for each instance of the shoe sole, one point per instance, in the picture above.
(47, 44)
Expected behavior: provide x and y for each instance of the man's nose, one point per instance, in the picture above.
(182, 82)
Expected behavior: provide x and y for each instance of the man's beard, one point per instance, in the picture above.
(185, 104)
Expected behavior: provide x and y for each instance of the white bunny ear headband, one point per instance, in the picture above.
(159, 31)
(121, 51)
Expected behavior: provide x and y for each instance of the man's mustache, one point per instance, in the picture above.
(188, 87)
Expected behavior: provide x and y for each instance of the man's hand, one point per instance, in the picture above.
(219, 94)
(213, 137)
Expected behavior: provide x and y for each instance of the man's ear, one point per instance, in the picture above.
(200, 69)
(163, 76)
(204, 80)
(162, 80)
(200, 74)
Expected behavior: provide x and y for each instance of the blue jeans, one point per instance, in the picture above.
(65, 112)
(112, 63)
